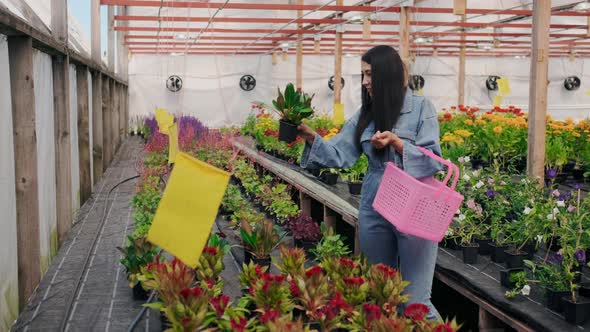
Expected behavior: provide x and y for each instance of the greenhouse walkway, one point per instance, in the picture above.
(85, 288)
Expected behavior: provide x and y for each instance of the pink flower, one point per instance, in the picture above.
(478, 210)
(491, 181)
(416, 311)
(555, 193)
(571, 208)
(471, 204)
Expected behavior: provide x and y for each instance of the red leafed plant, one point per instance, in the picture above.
(331, 315)
(292, 261)
(271, 292)
(209, 267)
(386, 287)
(314, 290)
(167, 278)
(304, 228)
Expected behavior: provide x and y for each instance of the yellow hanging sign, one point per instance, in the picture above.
(164, 119)
(338, 114)
(503, 86)
(188, 208)
(420, 92)
(497, 101)
(172, 143)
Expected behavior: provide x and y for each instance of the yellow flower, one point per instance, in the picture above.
(330, 135)
(557, 132)
(569, 120)
(463, 133)
(497, 130)
(549, 118)
(576, 134)
(452, 138)
(468, 122)
(480, 122)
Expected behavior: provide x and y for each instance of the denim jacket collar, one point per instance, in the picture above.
(407, 106)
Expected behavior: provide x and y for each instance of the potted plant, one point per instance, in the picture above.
(292, 107)
(469, 227)
(260, 240)
(329, 176)
(354, 175)
(518, 235)
(552, 279)
(305, 231)
(137, 253)
(331, 245)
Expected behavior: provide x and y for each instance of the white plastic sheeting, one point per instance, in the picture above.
(75, 168)
(211, 89)
(43, 78)
(8, 254)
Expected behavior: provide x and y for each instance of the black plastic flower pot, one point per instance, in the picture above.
(484, 246)
(287, 131)
(450, 244)
(314, 172)
(355, 188)
(140, 294)
(553, 299)
(584, 289)
(165, 321)
(569, 166)
(530, 250)
(329, 178)
(262, 261)
(576, 312)
(515, 258)
(470, 253)
(505, 277)
(247, 256)
(498, 255)
(578, 174)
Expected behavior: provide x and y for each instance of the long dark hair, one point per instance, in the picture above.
(388, 90)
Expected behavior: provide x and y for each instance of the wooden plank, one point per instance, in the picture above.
(59, 21)
(106, 123)
(338, 59)
(404, 35)
(121, 47)
(111, 38)
(489, 323)
(63, 152)
(298, 72)
(97, 126)
(83, 133)
(330, 217)
(459, 7)
(95, 51)
(20, 59)
(461, 87)
(538, 89)
(304, 204)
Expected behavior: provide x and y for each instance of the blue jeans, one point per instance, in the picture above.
(382, 243)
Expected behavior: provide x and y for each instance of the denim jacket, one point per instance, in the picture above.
(417, 126)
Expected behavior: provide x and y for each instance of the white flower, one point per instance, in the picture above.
(539, 238)
(526, 290)
(448, 232)
(527, 210)
(561, 203)
(467, 159)
(555, 210)
(461, 217)
(458, 211)
(479, 185)
(466, 177)
(523, 180)
(476, 172)
(461, 160)
(550, 216)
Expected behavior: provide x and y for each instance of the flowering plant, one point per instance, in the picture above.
(303, 227)
(271, 293)
(386, 287)
(261, 239)
(312, 290)
(292, 261)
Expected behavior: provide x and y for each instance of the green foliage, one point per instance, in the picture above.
(137, 253)
(331, 245)
(293, 106)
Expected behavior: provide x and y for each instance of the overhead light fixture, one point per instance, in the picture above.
(485, 46)
(520, 57)
(285, 45)
(356, 19)
(349, 55)
(176, 54)
(181, 36)
(582, 7)
(423, 40)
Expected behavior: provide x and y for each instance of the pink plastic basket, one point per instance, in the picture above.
(421, 207)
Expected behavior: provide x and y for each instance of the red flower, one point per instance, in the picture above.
(353, 281)
(448, 116)
(416, 311)
(185, 321)
(294, 288)
(238, 324)
(219, 304)
(313, 271)
(185, 293)
(191, 292)
(347, 262)
(444, 328)
(372, 311)
(221, 235)
(388, 271)
(258, 270)
(210, 251)
(269, 316)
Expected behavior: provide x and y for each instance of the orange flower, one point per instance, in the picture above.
(498, 130)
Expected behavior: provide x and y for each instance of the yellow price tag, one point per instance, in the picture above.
(338, 114)
(503, 86)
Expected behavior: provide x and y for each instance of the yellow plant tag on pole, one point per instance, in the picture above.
(188, 208)
(420, 92)
(588, 93)
(172, 143)
(164, 119)
(503, 86)
(338, 114)
(497, 100)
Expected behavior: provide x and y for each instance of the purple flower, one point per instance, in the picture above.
(490, 193)
(576, 186)
(557, 258)
(551, 173)
(571, 208)
(556, 193)
(580, 255)
(562, 197)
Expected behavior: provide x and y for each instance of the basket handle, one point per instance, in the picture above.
(452, 168)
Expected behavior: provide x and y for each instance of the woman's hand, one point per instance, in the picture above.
(306, 133)
(383, 139)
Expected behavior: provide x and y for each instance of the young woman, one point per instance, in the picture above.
(389, 126)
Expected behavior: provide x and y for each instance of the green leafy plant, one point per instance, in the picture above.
(293, 106)
(354, 173)
(261, 238)
(331, 244)
(137, 253)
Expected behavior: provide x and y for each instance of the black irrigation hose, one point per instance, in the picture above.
(141, 313)
(66, 317)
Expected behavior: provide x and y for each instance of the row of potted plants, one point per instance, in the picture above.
(499, 138)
